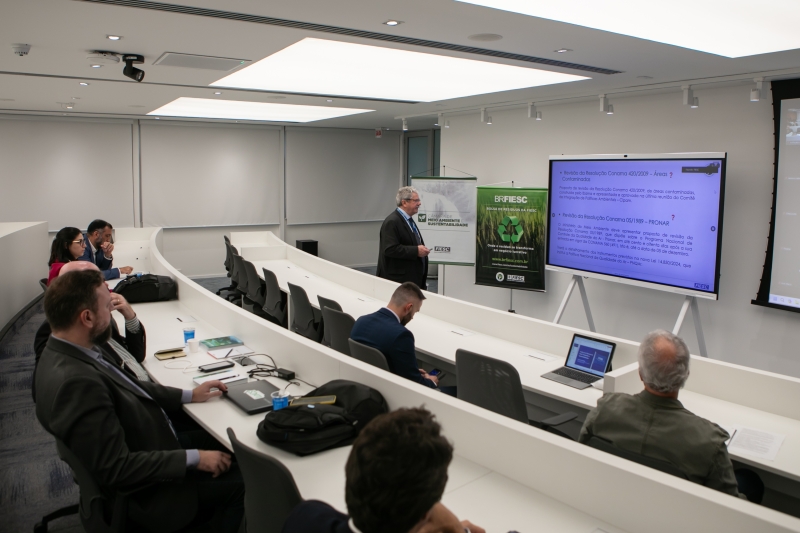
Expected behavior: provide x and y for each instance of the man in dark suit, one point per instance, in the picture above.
(402, 255)
(98, 237)
(118, 427)
(386, 331)
(396, 474)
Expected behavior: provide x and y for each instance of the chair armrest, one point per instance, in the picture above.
(557, 420)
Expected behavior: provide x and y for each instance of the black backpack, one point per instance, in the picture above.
(308, 429)
(147, 288)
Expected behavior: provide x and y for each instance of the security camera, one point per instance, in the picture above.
(130, 71)
(21, 49)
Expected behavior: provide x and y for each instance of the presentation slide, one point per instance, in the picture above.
(784, 286)
(651, 220)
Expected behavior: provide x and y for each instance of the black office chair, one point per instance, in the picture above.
(323, 303)
(228, 264)
(241, 280)
(99, 512)
(338, 325)
(275, 302)
(233, 293)
(270, 491)
(495, 385)
(306, 320)
(368, 354)
(663, 466)
(256, 295)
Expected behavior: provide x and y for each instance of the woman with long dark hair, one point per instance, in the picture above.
(68, 245)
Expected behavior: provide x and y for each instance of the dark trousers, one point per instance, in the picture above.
(749, 484)
(220, 500)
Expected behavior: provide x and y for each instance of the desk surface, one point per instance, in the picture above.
(441, 339)
(473, 492)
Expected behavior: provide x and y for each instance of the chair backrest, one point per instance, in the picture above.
(241, 274)
(270, 492)
(255, 287)
(491, 384)
(323, 303)
(303, 320)
(663, 466)
(368, 354)
(275, 301)
(234, 273)
(228, 255)
(94, 505)
(338, 325)
(43, 284)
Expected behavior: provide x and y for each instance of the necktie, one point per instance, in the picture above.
(416, 231)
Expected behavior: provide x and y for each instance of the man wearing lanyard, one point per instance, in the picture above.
(402, 255)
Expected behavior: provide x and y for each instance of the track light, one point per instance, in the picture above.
(483, 115)
(688, 95)
(447, 124)
(755, 94)
(538, 115)
(130, 71)
(606, 107)
(695, 103)
(439, 121)
(532, 113)
(405, 125)
(488, 120)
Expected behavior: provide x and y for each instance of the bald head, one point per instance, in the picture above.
(76, 266)
(663, 362)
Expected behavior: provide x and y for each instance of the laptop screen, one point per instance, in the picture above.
(590, 355)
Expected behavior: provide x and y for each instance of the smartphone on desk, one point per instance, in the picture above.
(213, 367)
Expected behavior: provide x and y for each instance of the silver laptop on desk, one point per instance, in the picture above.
(588, 361)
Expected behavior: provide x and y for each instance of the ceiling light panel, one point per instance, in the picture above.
(318, 66)
(731, 29)
(234, 109)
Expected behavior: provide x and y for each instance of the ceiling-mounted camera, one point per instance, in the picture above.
(130, 71)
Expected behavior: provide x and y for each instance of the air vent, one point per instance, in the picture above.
(224, 64)
(307, 26)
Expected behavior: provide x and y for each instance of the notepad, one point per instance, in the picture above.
(755, 442)
(222, 353)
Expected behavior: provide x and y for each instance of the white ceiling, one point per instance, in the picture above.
(61, 32)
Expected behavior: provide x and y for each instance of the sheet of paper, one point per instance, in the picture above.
(222, 353)
(757, 443)
(186, 318)
(227, 376)
(542, 356)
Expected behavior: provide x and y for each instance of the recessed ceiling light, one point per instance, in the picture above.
(563, 50)
(75, 98)
(83, 83)
(329, 100)
(97, 66)
(113, 37)
(156, 117)
(218, 92)
(393, 22)
(485, 37)
(234, 109)
(684, 23)
(317, 66)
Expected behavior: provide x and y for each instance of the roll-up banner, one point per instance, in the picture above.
(510, 238)
(446, 218)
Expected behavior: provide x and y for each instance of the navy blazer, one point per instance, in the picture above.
(383, 331)
(102, 262)
(313, 516)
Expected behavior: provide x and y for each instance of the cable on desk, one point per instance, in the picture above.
(187, 366)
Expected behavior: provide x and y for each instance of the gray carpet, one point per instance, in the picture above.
(33, 480)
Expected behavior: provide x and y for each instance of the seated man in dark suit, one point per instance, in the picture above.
(396, 474)
(655, 424)
(117, 426)
(386, 330)
(99, 249)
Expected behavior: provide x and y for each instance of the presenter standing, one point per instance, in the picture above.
(403, 256)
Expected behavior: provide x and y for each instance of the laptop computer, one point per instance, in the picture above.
(588, 361)
(252, 397)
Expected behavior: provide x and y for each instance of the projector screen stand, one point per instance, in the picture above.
(577, 280)
(698, 327)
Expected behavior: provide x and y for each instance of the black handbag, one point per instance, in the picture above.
(147, 288)
(308, 429)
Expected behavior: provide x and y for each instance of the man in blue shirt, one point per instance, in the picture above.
(100, 248)
(386, 331)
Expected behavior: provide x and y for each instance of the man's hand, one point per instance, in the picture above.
(107, 248)
(214, 462)
(428, 376)
(203, 391)
(125, 270)
(422, 251)
(441, 520)
(119, 303)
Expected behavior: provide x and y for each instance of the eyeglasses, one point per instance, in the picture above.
(80, 241)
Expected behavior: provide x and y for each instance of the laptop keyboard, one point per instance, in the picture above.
(577, 376)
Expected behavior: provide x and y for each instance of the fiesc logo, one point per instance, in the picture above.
(441, 249)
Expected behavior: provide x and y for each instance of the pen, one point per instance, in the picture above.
(229, 352)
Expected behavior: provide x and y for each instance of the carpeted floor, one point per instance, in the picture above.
(33, 480)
